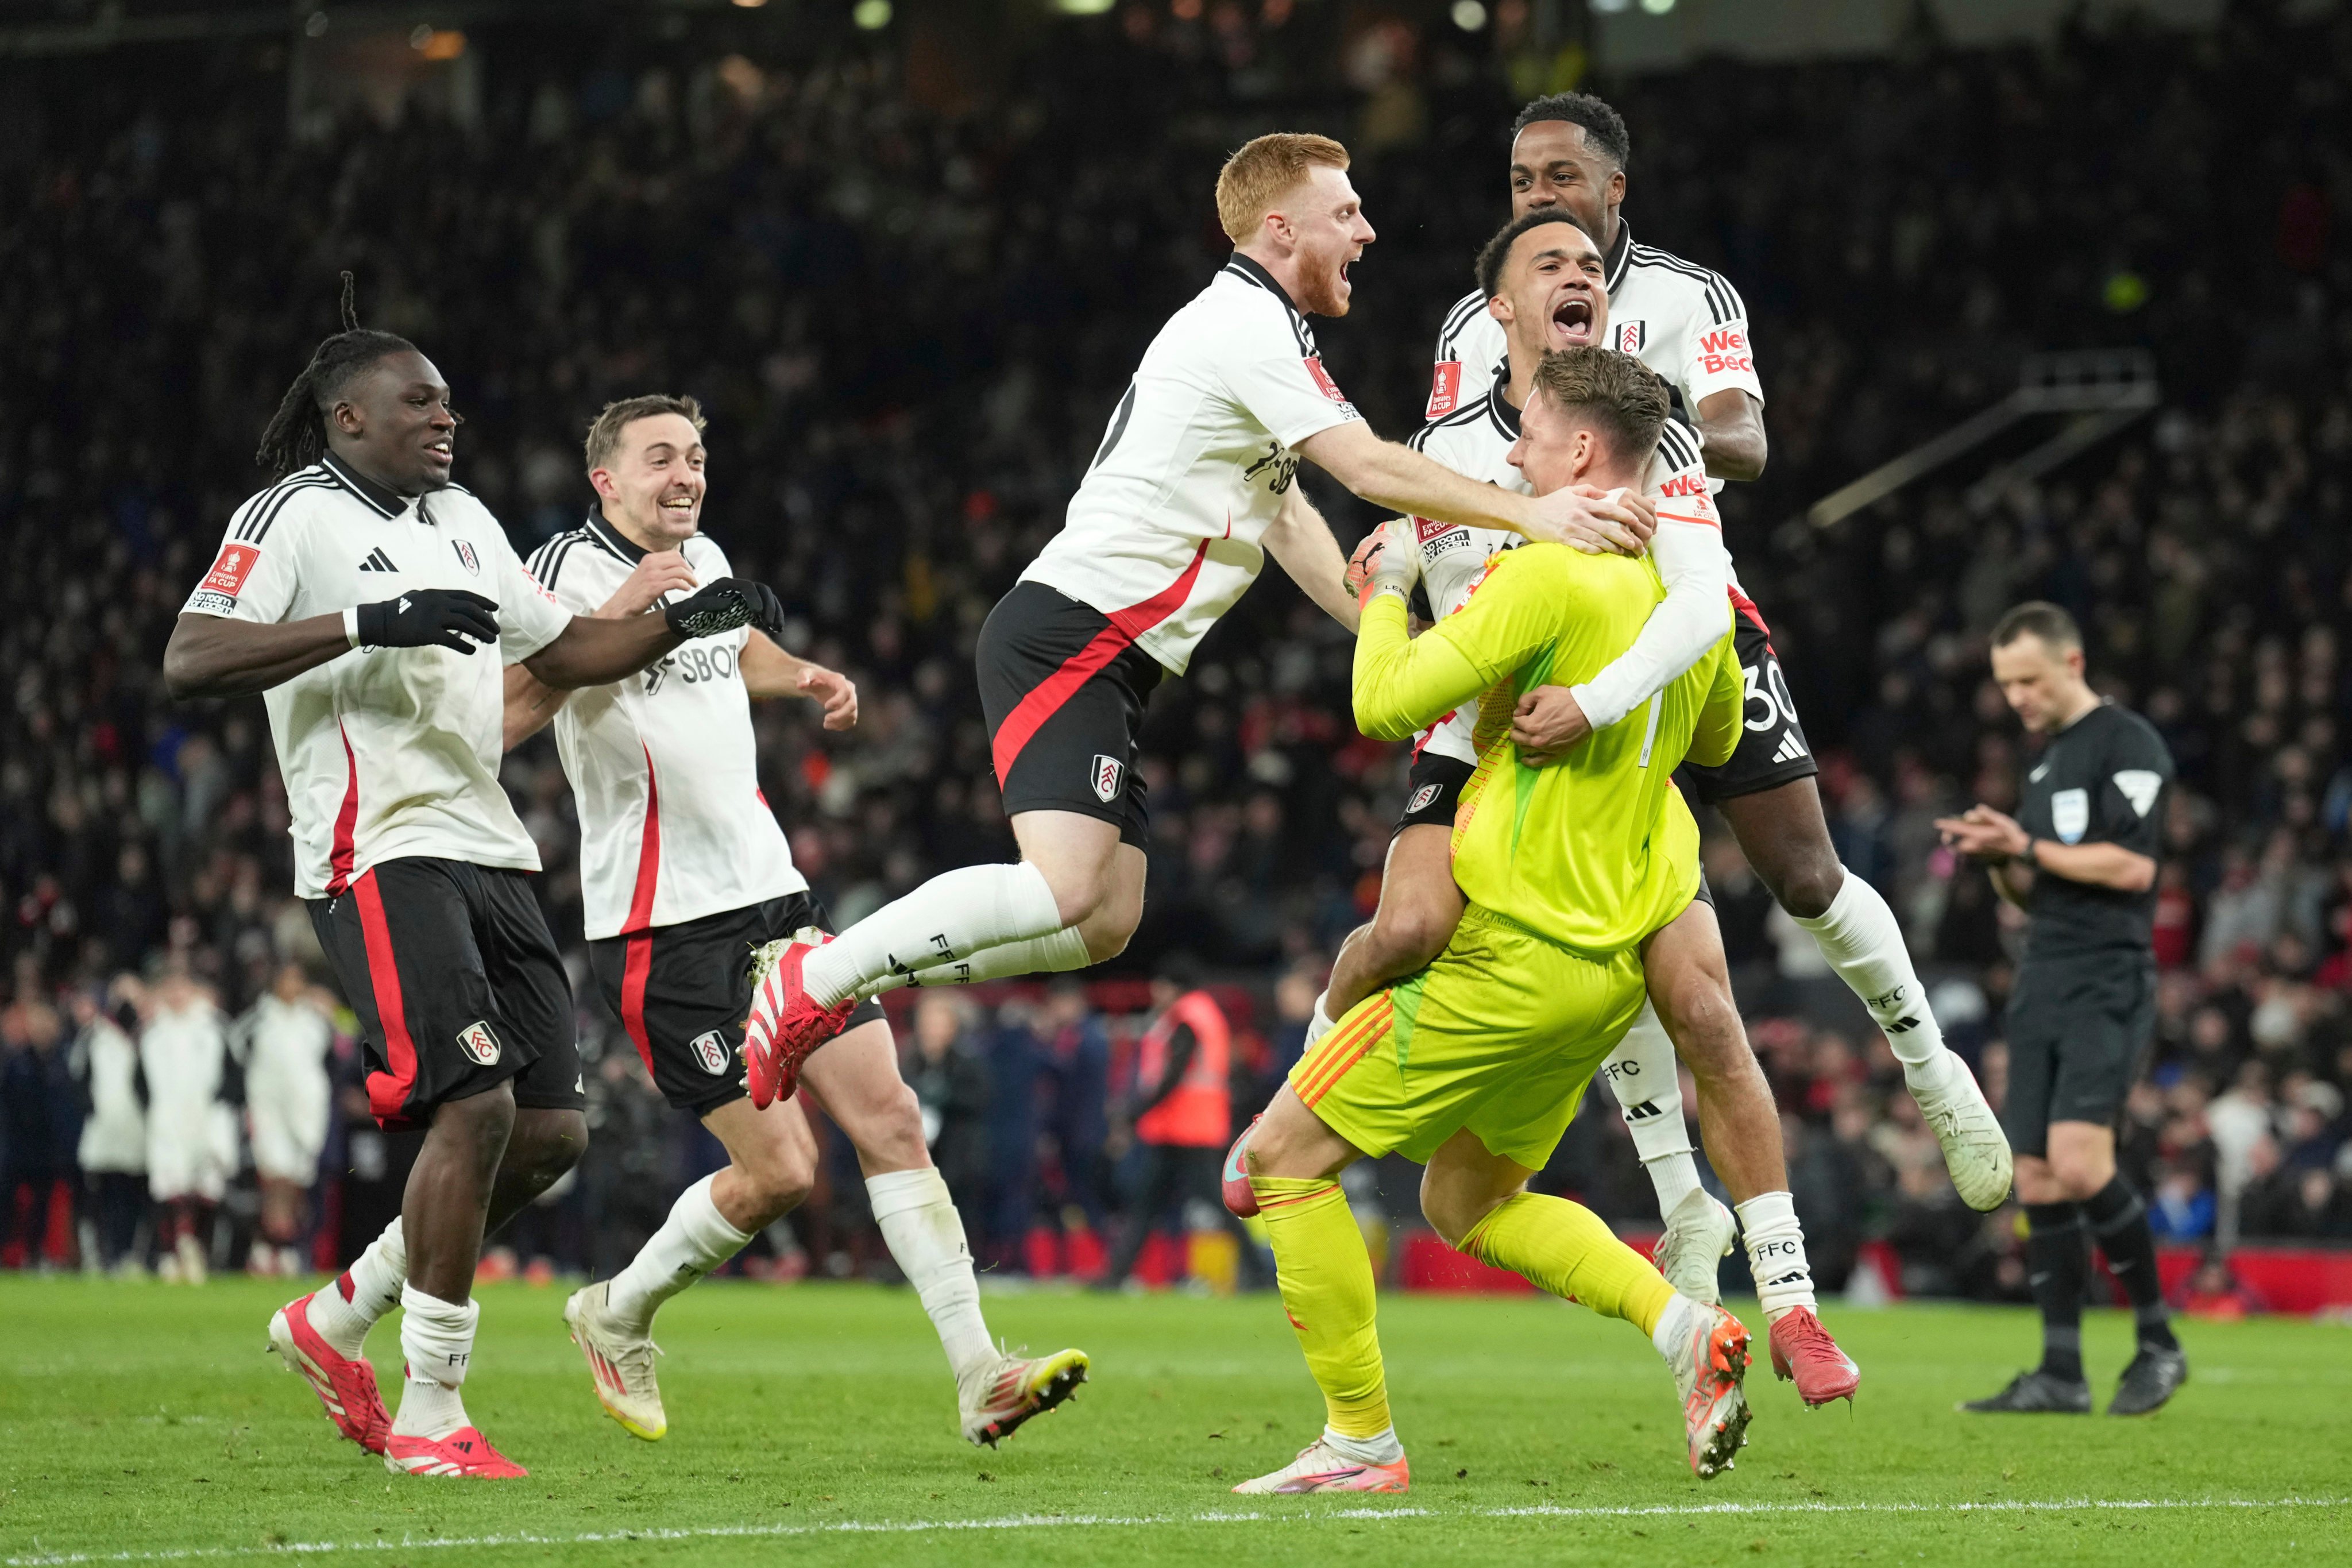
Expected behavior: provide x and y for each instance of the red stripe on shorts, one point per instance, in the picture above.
(1747, 607)
(636, 964)
(387, 1091)
(1029, 715)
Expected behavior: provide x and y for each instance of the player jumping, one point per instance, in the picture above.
(1689, 325)
(1542, 278)
(349, 593)
(1190, 488)
(687, 875)
(1476, 1065)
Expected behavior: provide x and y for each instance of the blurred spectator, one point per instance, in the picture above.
(39, 1127)
(113, 1148)
(2214, 1291)
(2181, 1208)
(1180, 1110)
(286, 1039)
(1073, 1051)
(950, 1082)
(191, 1132)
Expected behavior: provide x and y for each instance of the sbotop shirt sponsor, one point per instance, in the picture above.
(386, 752)
(1163, 533)
(664, 766)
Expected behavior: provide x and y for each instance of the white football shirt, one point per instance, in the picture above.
(1476, 442)
(1162, 536)
(664, 765)
(1682, 321)
(386, 752)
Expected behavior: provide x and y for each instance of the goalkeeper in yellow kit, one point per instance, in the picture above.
(1474, 1066)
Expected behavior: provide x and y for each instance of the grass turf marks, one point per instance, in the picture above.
(820, 1420)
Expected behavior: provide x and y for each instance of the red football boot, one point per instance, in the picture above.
(785, 1026)
(1804, 1353)
(345, 1386)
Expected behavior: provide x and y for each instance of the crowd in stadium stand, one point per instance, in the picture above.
(910, 318)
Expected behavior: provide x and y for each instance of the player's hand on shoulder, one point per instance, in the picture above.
(430, 617)
(663, 572)
(835, 690)
(1598, 522)
(723, 605)
(1547, 721)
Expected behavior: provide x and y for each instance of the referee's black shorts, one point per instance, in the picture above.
(1063, 690)
(1772, 750)
(456, 979)
(2079, 1031)
(682, 993)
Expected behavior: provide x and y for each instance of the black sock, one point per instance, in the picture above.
(2056, 1264)
(2119, 1223)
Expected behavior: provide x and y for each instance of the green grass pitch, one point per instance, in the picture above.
(816, 1424)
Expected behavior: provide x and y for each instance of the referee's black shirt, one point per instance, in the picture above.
(2104, 779)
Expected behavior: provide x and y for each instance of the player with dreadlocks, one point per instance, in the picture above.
(354, 594)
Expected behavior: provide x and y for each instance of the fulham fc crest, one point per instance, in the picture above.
(1421, 799)
(466, 557)
(711, 1052)
(1109, 774)
(479, 1043)
(1630, 337)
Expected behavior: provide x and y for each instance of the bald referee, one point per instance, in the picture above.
(2080, 859)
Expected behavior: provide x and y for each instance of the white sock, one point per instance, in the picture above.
(1319, 1023)
(437, 1338)
(945, 921)
(694, 1239)
(1645, 1077)
(1673, 1325)
(1776, 1253)
(1058, 953)
(1860, 938)
(1381, 1448)
(375, 1281)
(924, 1234)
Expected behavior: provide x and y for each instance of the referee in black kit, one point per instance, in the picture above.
(2080, 859)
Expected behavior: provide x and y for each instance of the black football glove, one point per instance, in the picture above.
(724, 605)
(430, 617)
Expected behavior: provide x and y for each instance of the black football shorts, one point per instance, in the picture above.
(1062, 689)
(1772, 751)
(2080, 1029)
(682, 993)
(456, 981)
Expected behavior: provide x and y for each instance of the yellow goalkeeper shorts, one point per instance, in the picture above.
(1499, 1036)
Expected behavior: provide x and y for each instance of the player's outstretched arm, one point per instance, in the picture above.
(1301, 542)
(1391, 475)
(770, 671)
(1731, 429)
(592, 651)
(213, 656)
(531, 703)
(219, 655)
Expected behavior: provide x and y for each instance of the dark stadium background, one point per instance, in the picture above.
(909, 266)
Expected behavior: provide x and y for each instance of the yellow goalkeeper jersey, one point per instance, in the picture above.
(1598, 850)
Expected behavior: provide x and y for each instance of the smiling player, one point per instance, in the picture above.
(685, 875)
(1190, 488)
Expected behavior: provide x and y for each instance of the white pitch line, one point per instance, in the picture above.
(1129, 1521)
